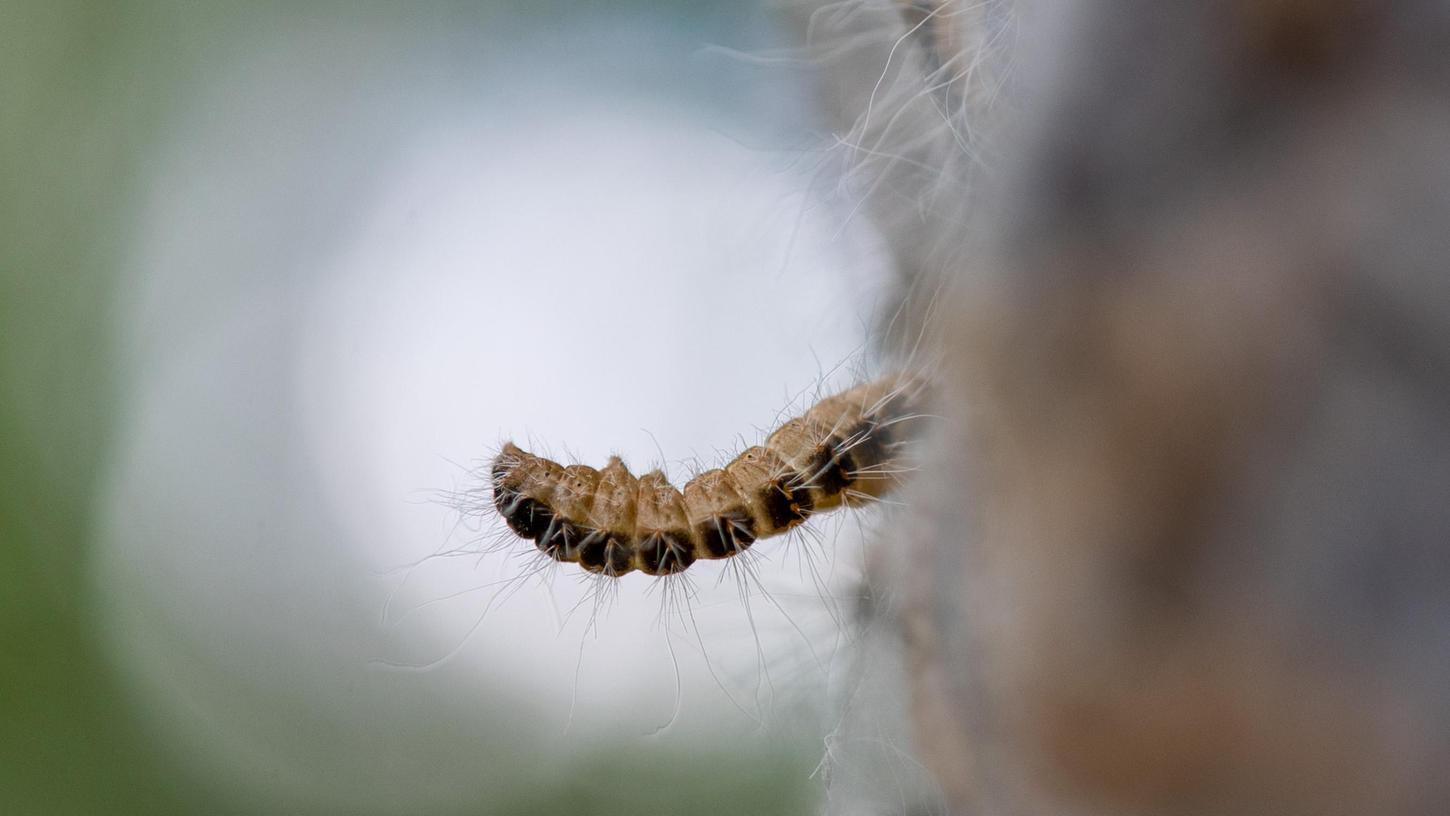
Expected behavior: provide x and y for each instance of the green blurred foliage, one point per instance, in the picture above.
(86, 90)
(81, 96)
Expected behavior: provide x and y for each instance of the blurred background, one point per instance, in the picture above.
(277, 278)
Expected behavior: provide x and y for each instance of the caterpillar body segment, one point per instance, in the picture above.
(663, 543)
(611, 521)
(841, 451)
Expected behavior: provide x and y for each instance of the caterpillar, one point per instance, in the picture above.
(843, 451)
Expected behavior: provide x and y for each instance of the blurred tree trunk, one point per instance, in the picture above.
(1183, 544)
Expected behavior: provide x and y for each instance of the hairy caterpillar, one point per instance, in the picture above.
(841, 451)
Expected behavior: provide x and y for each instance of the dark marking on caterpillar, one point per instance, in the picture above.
(844, 450)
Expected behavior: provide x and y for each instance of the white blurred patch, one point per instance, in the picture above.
(591, 279)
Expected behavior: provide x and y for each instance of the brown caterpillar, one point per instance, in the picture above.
(610, 522)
